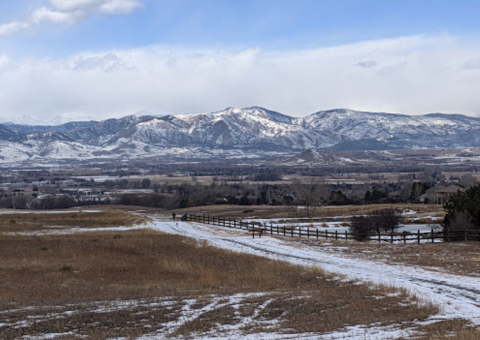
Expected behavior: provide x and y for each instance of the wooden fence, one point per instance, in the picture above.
(258, 229)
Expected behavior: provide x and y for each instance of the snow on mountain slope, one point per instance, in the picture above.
(248, 130)
(366, 125)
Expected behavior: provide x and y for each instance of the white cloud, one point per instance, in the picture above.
(413, 75)
(12, 28)
(99, 6)
(472, 64)
(74, 11)
(119, 6)
(70, 12)
(45, 14)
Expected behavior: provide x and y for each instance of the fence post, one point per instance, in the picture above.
(336, 234)
(391, 237)
(308, 232)
(432, 236)
(284, 231)
(299, 231)
(271, 228)
(346, 235)
(292, 231)
(317, 233)
(326, 233)
(404, 238)
(418, 236)
(208, 219)
(379, 237)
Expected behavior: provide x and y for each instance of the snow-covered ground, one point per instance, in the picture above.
(457, 296)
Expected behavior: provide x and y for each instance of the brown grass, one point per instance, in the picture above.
(461, 258)
(266, 211)
(77, 272)
(32, 221)
(451, 330)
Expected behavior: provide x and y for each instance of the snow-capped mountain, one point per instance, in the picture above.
(237, 132)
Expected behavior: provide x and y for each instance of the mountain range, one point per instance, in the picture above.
(235, 133)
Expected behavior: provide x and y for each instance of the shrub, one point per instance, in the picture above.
(361, 227)
(375, 222)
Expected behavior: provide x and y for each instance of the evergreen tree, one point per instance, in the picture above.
(463, 210)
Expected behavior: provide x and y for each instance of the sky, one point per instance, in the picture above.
(64, 60)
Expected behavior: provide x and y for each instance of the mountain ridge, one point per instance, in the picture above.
(243, 130)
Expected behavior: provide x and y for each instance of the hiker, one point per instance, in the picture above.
(173, 215)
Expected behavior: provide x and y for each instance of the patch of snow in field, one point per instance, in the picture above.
(61, 230)
(413, 228)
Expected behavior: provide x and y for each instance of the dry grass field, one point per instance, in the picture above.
(106, 284)
(74, 284)
(422, 211)
(34, 221)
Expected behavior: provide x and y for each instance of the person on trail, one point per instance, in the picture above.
(173, 215)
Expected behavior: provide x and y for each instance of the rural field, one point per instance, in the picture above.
(127, 273)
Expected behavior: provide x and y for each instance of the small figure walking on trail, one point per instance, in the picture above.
(173, 215)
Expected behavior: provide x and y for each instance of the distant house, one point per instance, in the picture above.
(437, 195)
(221, 200)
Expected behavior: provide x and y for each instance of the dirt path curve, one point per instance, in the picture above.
(459, 296)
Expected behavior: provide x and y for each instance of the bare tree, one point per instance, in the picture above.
(468, 180)
(310, 194)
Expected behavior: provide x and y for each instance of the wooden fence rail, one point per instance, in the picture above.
(258, 229)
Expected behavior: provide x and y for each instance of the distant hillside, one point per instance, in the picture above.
(238, 133)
